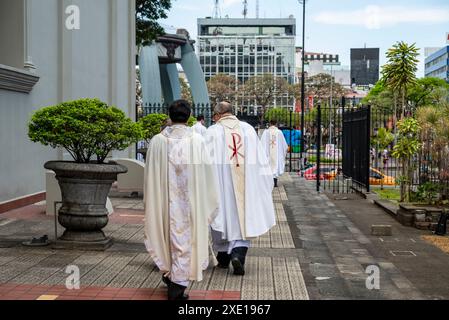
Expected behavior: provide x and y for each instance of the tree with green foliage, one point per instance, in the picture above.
(406, 148)
(282, 116)
(152, 125)
(85, 128)
(320, 86)
(148, 12)
(186, 93)
(399, 73)
(428, 91)
(434, 136)
(222, 87)
(381, 99)
(263, 88)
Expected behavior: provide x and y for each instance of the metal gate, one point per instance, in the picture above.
(356, 147)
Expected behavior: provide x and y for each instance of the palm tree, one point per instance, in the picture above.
(400, 71)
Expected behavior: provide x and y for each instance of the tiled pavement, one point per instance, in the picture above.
(316, 251)
(334, 253)
(273, 268)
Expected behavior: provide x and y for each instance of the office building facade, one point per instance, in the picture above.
(437, 64)
(243, 48)
(364, 66)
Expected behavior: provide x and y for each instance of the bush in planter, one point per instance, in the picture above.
(152, 125)
(86, 128)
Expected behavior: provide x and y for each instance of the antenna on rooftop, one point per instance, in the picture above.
(217, 9)
(245, 8)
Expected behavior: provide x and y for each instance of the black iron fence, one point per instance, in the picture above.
(345, 147)
(356, 146)
(203, 109)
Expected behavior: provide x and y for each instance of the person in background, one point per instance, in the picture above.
(273, 141)
(199, 126)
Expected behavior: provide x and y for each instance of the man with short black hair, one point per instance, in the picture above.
(199, 126)
(181, 201)
(245, 187)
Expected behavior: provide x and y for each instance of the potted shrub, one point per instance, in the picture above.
(89, 130)
(152, 125)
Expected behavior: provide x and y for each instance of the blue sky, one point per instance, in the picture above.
(336, 26)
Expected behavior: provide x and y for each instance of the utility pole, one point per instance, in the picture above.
(330, 106)
(303, 77)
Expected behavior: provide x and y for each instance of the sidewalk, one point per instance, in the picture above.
(126, 272)
(320, 249)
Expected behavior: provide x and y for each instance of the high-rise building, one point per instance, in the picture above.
(364, 66)
(314, 56)
(244, 48)
(437, 64)
(327, 63)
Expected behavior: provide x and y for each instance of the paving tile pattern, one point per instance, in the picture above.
(336, 253)
(273, 270)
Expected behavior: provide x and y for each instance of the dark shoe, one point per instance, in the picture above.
(238, 257)
(177, 292)
(275, 183)
(223, 259)
(166, 280)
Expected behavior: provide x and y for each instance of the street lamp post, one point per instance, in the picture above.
(303, 86)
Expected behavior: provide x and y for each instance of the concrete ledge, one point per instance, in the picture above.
(21, 202)
(388, 206)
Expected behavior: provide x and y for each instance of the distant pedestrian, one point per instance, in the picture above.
(199, 126)
(385, 157)
(273, 141)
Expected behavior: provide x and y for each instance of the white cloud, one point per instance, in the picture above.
(376, 17)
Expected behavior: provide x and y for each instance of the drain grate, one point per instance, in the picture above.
(403, 253)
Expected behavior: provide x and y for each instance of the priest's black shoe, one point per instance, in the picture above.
(166, 280)
(238, 257)
(176, 292)
(224, 259)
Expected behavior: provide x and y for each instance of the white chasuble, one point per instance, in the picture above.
(245, 181)
(276, 148)
(236, 155)
(180, 202)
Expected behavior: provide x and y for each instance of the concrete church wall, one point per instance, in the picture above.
(96, 61)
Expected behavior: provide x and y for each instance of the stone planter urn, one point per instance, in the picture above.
(84, 189)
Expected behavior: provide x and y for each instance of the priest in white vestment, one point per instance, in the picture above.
(199, 127)
(180, 198)
(276, 148)
(245, 187)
